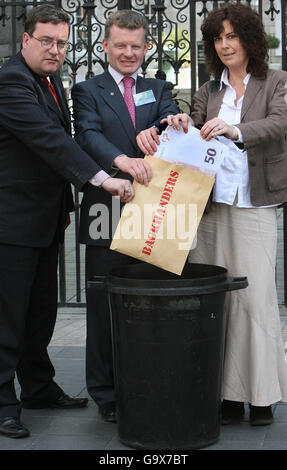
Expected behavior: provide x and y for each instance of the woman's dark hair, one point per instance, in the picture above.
(45, 14)
(248, 25)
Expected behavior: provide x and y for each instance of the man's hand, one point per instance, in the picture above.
(138, 168)
(178, 120)
(147, 140)
(120, 188)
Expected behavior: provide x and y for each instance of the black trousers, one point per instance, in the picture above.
(99, 360)
(28, 308)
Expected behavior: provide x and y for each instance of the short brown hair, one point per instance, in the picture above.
(249, 27)
(126, 19)
(45, 14)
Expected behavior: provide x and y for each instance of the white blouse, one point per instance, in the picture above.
(232, 177)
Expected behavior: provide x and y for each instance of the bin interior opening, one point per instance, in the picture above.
(145, 271)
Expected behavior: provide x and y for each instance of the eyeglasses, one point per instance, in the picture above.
(48, 43)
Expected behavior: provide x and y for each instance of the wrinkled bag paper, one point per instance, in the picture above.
(159, 225)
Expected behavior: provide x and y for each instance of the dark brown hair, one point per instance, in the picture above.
(249, 27)
(127, 19)
(45, 14)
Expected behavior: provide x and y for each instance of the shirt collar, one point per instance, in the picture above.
(118, 76)
(224, 79)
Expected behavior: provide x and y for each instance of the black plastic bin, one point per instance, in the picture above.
(168, 347)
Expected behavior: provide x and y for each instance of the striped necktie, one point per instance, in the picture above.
(128, 97)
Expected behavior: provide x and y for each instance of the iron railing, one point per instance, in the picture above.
(175, 54)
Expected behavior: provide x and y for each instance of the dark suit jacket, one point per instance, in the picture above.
(263, 126)
(104, 129)
(37, 157)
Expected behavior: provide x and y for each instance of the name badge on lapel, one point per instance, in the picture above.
(144, 97)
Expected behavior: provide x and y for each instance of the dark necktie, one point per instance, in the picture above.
(52, 90)
(128, 97)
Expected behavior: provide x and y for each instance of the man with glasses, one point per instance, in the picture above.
(38, 158)
(48, 43)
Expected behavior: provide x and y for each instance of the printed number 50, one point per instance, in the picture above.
(209, 158)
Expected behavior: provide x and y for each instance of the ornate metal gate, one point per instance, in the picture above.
(175, 54)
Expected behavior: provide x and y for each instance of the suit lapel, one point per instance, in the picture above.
(65, 115)
(62, 113)
(50, 100)
(214, 103)
(215, 99)
(114, 99)
(251, 91)
(143, 111)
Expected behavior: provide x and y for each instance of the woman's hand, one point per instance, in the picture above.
(177, 120)
(216, 127)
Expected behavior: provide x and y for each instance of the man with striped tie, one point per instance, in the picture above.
(116, 113)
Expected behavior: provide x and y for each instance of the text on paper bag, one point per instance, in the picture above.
(160, 212)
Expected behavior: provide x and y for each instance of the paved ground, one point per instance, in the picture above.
(83, 430)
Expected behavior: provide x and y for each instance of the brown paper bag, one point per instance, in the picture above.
(160, 223)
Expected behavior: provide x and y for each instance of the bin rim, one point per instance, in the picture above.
(123, 281)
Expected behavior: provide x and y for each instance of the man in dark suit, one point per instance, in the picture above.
(115, 113)
(38, 157)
